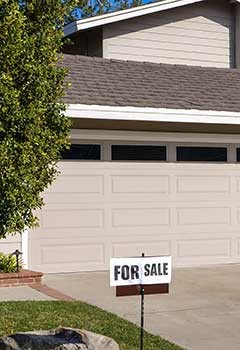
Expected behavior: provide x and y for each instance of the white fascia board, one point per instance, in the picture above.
(147, 114)
(152, 136)
(121, 15)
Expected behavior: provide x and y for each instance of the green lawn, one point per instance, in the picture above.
(30, 315)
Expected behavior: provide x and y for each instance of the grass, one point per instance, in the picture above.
(31, 315)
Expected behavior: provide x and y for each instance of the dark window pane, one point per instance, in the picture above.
(238, 154)
(83, 152)
(202, 154)
(132, 152)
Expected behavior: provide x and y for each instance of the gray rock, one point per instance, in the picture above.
(58, 339)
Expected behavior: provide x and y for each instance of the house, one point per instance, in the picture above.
(154, 163)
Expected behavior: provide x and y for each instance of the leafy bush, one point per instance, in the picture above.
(33, 127)
(8, 263)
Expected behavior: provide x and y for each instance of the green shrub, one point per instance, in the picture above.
(33, 127)
(8, 263)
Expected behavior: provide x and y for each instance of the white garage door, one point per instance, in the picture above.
(98, 210)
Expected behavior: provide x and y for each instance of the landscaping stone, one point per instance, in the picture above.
(58, 339)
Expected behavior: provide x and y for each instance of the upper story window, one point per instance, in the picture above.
(201, 154)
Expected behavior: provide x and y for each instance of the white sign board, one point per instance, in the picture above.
(144, 270)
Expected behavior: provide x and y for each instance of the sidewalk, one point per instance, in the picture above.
(21, 294)
(36, 292)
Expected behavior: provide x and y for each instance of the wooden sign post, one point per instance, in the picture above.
(140, 276)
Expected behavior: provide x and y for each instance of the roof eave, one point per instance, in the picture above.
(121, 15)
(130, 113)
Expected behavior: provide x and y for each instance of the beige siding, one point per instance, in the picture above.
(10, 244)
(199, 34)
(98, 210)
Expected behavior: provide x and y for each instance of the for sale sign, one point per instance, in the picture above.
(144, 270)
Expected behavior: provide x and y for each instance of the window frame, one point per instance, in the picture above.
(171, 149)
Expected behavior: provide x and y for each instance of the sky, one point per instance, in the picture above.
(93, 3)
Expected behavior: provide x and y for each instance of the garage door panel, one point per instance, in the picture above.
(151, 247)
(209, 188)
(238, 215)
(136, 184)
(236, 183)
(72, 198)
(70, 167)
(191, 211)
(201, 261)
(238, 246)
(203, 189)
(76, 189)
(75, 252)
(172, 231)
(73, 206)
(141, 231)
(195, 184)
(66, 233)
(208, 229)
(140, 217)
(78, 183)
(193, 248)
(70, 253)
(202, 216)
(81, 218)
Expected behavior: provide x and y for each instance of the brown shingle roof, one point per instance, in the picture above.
(119, 83)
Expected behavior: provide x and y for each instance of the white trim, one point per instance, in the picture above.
(232, 153)
(146, 136)
(25, 248)
(107, 138)
(152, 114)
(172, 153)
(121, 15)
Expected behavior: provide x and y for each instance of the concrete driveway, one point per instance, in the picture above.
(202, 311)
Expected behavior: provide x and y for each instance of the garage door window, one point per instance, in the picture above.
(139, 152)
(83, 152)
(202, 154)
